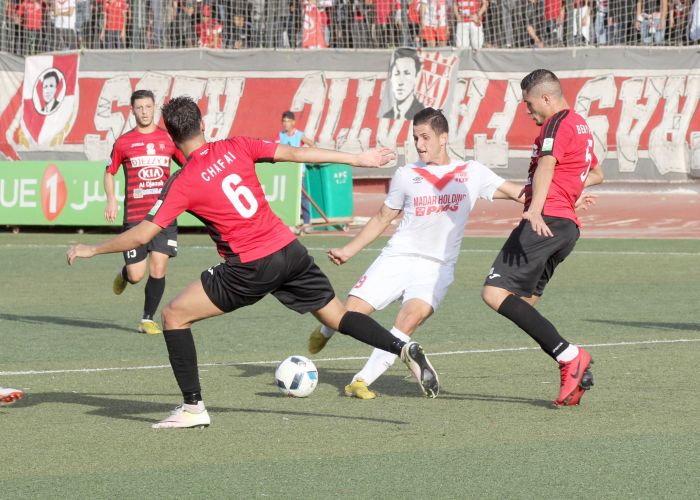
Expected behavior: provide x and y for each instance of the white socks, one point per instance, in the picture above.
(327, 332)
(568, 354)
(379, 361)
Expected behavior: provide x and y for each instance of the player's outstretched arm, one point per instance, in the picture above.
(370, 232)
(138, 235)
(509, 190)
(373, 158)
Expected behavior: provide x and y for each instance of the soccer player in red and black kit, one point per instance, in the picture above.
(562, 164)
(145, 151)
(218, 185)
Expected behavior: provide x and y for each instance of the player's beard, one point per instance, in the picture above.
(141, 124)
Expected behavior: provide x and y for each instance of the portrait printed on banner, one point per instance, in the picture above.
(48, 91)
(49, 100)
(399, 101)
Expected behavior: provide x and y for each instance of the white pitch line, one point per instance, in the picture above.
(345, 358)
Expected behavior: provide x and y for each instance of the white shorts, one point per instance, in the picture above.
(391, 278)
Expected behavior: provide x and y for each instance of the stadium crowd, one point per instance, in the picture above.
(33, 26)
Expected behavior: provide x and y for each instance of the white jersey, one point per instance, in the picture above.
(436, 201)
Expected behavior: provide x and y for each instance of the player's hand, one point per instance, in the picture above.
(376, 158)
(538, 224)
(338, 256)
(111, 211)
(585, 200)
(84, 251)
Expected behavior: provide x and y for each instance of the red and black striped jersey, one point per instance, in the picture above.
(565, 136)
(146, 159)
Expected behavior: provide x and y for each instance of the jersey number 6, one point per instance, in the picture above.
(240, 197)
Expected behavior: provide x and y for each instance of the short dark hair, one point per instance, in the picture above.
(182, 118)
(288, 114)
(434, 118)
(51, 74)
(405, 52)
(536, 78)
(142, 94)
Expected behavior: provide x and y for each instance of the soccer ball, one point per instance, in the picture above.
(296, 377)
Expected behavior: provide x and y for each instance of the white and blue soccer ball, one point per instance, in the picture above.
(296, 377)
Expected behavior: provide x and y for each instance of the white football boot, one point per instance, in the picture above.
(186, 417)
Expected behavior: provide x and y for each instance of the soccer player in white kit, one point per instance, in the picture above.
(435, 195)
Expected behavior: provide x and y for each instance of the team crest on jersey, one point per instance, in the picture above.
(461, 177)
(548, 144)
(150, 149)
(162, 146)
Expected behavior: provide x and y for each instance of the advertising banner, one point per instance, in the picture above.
(71, 193)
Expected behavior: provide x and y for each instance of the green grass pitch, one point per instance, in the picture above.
(94, 386)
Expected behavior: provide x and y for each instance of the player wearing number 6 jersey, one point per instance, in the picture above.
(562, 164)
(261, 255)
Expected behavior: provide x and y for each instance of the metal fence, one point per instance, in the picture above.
(34, 26)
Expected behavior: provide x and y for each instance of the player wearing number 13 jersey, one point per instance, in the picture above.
(144, 153)
(261, 255)
(562, 164)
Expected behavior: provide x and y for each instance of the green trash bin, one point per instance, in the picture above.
(330, 186)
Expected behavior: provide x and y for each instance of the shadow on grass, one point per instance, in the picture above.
(389, 385)
(495, 398)
(653, 325)
(397, 385)
(128, 409)
(60, 320)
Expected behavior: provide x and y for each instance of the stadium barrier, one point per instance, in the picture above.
(641, 103)
(71, 193)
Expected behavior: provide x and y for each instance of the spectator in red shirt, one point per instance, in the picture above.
(113, 34)
(554, 22)
(209, 30)
(469, 30)
(384, 16)
(434, 19)
(314, 26)
(30, 12)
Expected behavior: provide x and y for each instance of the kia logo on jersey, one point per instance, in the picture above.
(150, 173)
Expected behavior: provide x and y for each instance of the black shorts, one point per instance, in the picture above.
(289, 274)
(164, 242)
(527, 261)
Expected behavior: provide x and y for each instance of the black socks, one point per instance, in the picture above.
(534, 324)
(183, 360)
(365, 329)
(155, 287)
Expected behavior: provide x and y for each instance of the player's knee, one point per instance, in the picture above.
(134, 277)
(169, 317)
(492, 296)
